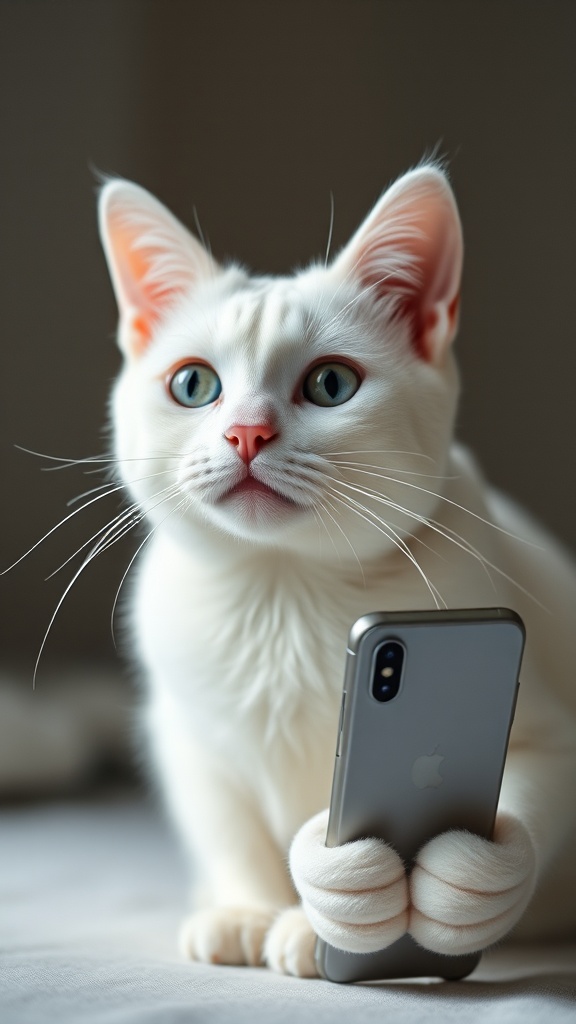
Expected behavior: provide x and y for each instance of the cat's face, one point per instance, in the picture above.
(311, 412)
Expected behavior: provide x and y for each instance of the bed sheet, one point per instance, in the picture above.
(91, 893)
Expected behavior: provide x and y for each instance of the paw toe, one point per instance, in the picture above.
(225, 935)
(290, 945)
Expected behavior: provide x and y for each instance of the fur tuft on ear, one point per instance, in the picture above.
(152, 259)
(408, 252)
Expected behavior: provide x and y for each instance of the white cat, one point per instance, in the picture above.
(290, 440)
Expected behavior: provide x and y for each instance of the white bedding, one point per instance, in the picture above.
(91, 894)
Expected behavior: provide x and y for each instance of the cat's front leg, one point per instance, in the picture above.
(241, 881)
(467, 892)
(355, 895)
(244, 881)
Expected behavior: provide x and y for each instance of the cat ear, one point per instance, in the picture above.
(152, 259)
(409, 252)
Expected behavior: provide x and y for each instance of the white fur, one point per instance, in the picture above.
(366, 906)
(241, 607)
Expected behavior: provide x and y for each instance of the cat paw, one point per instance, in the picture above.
(226, 935)
(290, 943)
(356, 895)
(467, 892)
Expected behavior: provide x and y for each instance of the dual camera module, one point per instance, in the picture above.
(387, 671)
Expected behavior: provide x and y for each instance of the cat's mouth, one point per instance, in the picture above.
(252, 490)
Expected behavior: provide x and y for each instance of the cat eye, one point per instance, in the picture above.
(195, 385)
(330, 384)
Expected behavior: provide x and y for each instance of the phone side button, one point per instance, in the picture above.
(341, 724)
(513, 715)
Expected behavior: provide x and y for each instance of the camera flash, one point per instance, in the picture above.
(387, 672)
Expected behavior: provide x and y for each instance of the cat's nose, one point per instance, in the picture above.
(249, 439)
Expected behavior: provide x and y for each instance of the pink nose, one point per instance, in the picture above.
(249, 440)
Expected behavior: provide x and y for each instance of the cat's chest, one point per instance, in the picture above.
(256, 642)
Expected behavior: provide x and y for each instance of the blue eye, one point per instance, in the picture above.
(194, 385)
(330, 384)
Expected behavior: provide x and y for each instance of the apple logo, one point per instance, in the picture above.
(426, 771)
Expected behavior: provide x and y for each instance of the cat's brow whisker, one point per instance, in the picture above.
(357, 298)
(330, 229)
(313, 318)
(345, 280)
(391, 534)
(203, 238)
(325, 324)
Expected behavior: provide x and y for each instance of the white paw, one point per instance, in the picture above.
(356, 895)
(226, 935)
(468, 892)
(290, 943)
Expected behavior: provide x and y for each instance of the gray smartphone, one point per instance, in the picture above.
(427, 707)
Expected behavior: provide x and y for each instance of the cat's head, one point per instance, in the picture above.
(311, 412)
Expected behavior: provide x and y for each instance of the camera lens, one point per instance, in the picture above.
(387, 671)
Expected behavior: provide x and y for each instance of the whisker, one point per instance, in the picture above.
(433, 524)
(184, 502)
(455, 538)
(357, 298)
(322, 528)
(449, 501)
(93, 459)
(86, 562)
(346, 538)
(385, 469)
(56, 458)
(391, 534)
(203, 238)
(86, 494)
(92, 554)
(123, 529)
(98, 497)
(101, 487)
(104, 530)
(313, 318)
(327, 256)
(377, 451)
(118, 520)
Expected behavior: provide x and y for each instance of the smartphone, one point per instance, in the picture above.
(426, 712)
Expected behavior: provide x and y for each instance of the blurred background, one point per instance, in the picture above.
(251, 113)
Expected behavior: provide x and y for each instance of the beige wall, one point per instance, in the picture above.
(252, 111)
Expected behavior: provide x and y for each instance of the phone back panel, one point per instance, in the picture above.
(430, 759)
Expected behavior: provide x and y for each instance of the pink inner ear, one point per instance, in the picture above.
(432, 326)
(410, 249)
(152, 258)
(141, 298)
